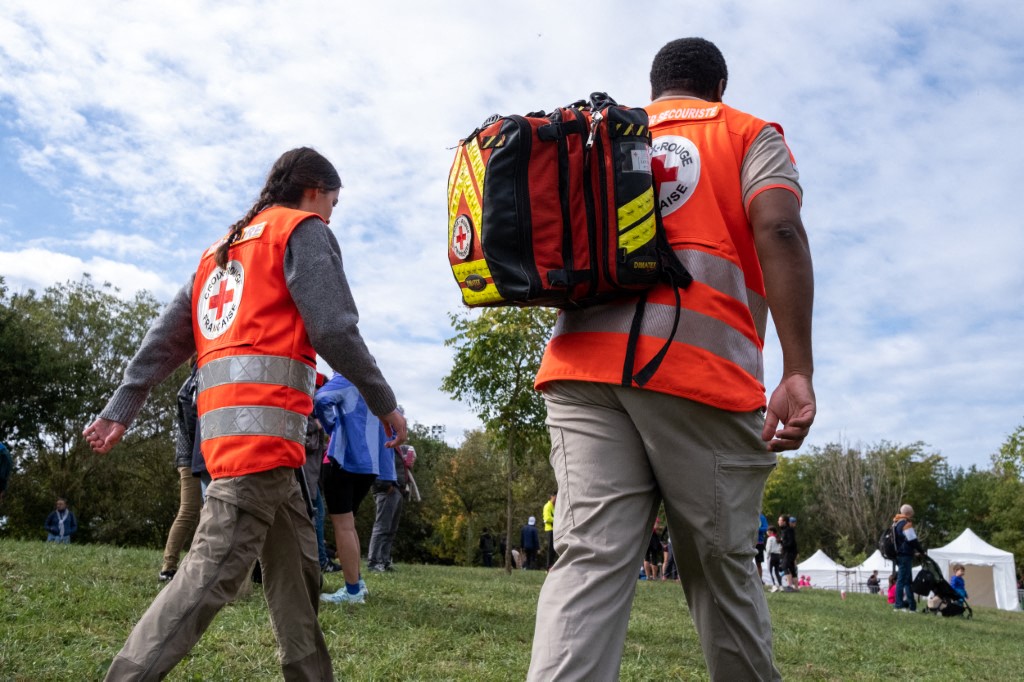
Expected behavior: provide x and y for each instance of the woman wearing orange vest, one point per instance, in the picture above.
(257, 314)
(694, 434)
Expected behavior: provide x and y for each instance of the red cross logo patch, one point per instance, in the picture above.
(219, 299)
(462, 237)
(675, 162)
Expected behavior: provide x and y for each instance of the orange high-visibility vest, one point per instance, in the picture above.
(715, 355)
(257, 368)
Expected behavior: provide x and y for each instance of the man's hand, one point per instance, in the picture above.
(394, 426)
(103, 434)
(792, 404)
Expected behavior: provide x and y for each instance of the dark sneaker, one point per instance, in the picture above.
(330, 567)
(166, 576)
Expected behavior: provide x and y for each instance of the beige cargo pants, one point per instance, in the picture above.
(617, 453)
(260, 515)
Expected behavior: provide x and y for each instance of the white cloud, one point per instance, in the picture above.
(155, 124)
(38, 268)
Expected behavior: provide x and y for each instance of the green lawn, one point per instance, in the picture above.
(66, 610)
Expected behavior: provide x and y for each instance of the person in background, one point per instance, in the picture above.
(487, 548)
(264, 302)
(6, 469)
(874, 584)
(762, 537)
(316, 453)
(390, 495)
(655, 553)
(190, 501)
(891, 592)
(773, 548)
(787, 533)
(61, 523)
(957, 581)
(907, 546)
(529, 540)
(359, 452)
(646, 407)
(548, 515)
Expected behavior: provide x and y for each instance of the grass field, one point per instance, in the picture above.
(66, 610)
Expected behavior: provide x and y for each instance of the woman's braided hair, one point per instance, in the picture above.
(293, 173)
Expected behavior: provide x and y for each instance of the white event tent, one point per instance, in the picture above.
(826, 573)
(989, 573)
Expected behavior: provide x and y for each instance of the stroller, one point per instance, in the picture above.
(929, 580)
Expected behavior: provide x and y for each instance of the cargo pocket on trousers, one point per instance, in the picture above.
(563, 507)
(739, 485)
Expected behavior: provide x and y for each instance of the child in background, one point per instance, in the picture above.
(957, 582)
(892, 588)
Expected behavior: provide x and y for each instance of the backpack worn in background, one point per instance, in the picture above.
(887, 543)
(557, 209)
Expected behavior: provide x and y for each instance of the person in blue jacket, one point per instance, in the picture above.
(357, 456)
(957, 581)
(530, 541)
(61, 523)
(762, 538)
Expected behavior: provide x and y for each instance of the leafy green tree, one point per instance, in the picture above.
(1007, 497)
(497, 355)
(470, 488)
(857, 491)
(30, 368)
(1010, 458)
(130, 496)
(790, 490)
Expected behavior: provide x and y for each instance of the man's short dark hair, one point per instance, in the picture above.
(692, 64)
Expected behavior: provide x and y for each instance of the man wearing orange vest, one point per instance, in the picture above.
(263, 302)
(696, 433)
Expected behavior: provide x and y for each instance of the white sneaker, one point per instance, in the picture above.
(342, 596)
(362, 588)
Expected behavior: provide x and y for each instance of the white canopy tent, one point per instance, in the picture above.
(989, 573)
(826, 573)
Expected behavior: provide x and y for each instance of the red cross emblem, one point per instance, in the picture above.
(222, 298)
(663, 173)
(462, 237)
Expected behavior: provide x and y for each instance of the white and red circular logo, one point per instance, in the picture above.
(676, 165)
(462, 236)
(219, 299)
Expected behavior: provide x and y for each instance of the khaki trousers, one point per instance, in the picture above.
(617, 453)
(260, 515)
(187, 518)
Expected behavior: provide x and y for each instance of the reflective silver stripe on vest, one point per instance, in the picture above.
(726, 277)
(695, 329)
(759, 310)
(253, 420)
(257, 369)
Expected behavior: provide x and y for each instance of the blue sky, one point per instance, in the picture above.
(132, 136)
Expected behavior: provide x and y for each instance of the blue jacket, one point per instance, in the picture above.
(907, 543)
(53, 524)
(530, 537)
(357, 436)
(762, 530)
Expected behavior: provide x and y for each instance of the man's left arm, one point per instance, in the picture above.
(785, 257)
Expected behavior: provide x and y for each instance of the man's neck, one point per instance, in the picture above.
(679, 94)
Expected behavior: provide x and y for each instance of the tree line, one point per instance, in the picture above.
(64, 352)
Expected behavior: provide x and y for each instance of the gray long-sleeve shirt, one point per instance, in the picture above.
(316, 281)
